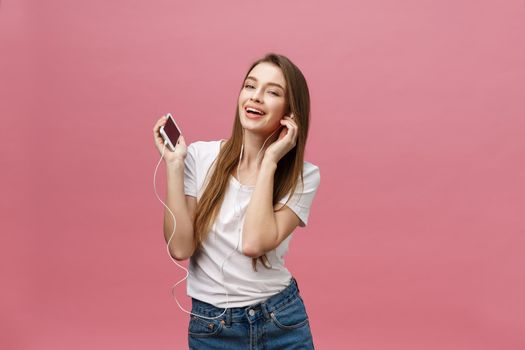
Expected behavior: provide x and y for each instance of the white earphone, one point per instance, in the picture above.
(175, 224)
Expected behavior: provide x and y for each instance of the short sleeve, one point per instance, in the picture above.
(190, 172)
(302, 199)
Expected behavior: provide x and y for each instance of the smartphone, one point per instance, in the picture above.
(170, 132)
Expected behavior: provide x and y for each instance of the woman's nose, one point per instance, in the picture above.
(256, 96)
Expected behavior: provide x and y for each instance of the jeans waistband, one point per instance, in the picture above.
(262, 309)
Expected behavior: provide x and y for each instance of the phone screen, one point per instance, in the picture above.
(172, 130)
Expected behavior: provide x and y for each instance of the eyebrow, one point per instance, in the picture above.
(275, 84)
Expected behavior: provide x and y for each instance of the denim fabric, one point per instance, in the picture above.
(280, 322)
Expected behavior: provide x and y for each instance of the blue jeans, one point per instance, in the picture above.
(279, 322)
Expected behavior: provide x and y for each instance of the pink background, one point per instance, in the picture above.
(416, 237)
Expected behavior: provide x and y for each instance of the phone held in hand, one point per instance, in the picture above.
(170, 132)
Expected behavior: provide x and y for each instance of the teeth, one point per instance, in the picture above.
(249, 109)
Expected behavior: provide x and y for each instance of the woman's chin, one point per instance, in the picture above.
(260, 131)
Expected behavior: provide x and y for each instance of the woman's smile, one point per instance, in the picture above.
(254, 113)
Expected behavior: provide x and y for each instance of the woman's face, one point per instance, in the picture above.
(264, 89)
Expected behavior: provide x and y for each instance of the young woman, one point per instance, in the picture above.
(236, 204)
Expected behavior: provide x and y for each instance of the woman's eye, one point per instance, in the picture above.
(249, 86)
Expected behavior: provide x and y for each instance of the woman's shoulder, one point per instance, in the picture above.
(311, 173)
(202, 154)
(205, 144)
(310, 168)
(205, 147)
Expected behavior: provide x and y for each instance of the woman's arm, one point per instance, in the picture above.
(183, 207)
(263, 228)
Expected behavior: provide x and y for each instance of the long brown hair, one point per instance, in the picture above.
(289, 168)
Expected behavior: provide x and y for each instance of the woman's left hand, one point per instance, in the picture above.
(285, 142)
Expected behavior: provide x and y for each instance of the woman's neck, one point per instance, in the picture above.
(252, 146)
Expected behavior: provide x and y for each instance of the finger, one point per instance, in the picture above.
(156, 128)
(156, 136)
(158, 125)
(291, 119)
(162, 120)
(288, 122)
(292, 129)
(158, 139)
(156, 132)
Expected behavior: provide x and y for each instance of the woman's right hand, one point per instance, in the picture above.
(180, 148)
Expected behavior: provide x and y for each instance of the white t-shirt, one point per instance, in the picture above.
(244, 286)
